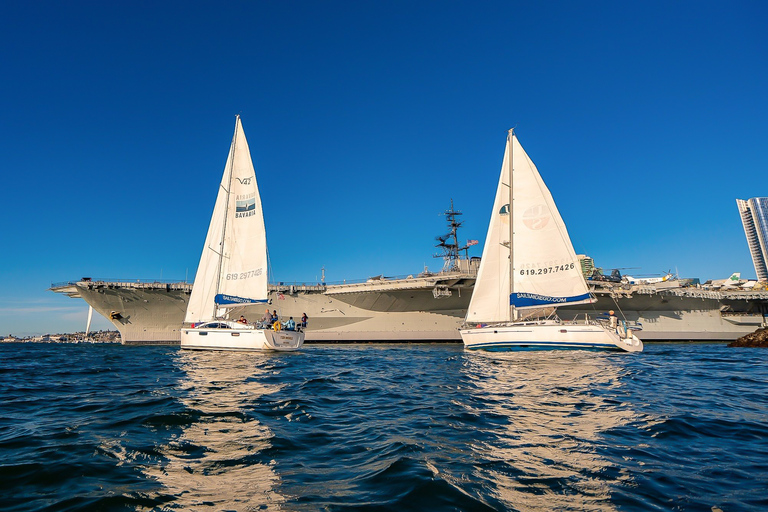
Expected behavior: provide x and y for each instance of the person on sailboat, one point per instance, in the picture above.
(290, 325)
(242, 320)
(267, 318)
(304, 319)
(612, 320)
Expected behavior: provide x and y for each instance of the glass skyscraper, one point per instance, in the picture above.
(754, 217)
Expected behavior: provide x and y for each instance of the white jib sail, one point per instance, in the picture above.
(545, 269)
(233, 264)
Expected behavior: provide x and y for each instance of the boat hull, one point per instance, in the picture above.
(241, 339)
(548, 336)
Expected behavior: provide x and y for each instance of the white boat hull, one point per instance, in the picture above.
(548, 336)
(241, 339)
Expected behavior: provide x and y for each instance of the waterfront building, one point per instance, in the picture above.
(754, 217)
(587, 264)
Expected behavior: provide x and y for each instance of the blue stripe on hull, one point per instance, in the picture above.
(505, 346)
(230, 349)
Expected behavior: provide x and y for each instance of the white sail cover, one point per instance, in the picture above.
(543, 263)
(233, 266)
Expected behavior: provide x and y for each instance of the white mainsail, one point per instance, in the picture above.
(233, 266)
(88, 323)
(543, 264)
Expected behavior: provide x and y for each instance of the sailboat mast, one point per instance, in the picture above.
(226, 212)
(512, 311)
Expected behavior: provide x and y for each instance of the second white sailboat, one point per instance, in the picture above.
(528, 269)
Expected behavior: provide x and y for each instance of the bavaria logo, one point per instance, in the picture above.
(245, 205)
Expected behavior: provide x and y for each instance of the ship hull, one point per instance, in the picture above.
(143, 313)
(411, 310)
(669, 317)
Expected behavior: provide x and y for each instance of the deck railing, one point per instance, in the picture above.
(376, 279)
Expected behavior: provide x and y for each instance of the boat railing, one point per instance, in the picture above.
(601, 319)
(604, 320)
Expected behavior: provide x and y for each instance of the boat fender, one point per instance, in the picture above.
(276, 326)
(115, 315)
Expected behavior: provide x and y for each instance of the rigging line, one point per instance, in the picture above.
(215, 251)
(592, 295)
(618, 307)
(232, 154)
(271, 277)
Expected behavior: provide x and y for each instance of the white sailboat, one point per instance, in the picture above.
(528, 268)
(88, 323)
(233, 266)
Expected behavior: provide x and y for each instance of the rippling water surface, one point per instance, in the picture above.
(378, 427)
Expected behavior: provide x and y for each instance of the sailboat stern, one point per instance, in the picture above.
(227, 335)
(284, 340)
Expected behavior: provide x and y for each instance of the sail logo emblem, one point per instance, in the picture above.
(245, 208)
(536, 217)
(244, 181)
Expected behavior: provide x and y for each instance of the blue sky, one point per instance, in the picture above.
(647, 120)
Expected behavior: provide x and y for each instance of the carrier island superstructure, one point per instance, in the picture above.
(424, 307)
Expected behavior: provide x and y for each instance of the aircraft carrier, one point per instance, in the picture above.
(424, 307)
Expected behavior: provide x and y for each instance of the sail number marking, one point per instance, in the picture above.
(243, 275)
(547, 270)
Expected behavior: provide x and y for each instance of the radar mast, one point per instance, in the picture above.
(449, 243)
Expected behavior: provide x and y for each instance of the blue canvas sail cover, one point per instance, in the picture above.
(527, 300)
(226, 300)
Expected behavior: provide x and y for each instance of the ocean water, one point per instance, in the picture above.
(382, 427)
